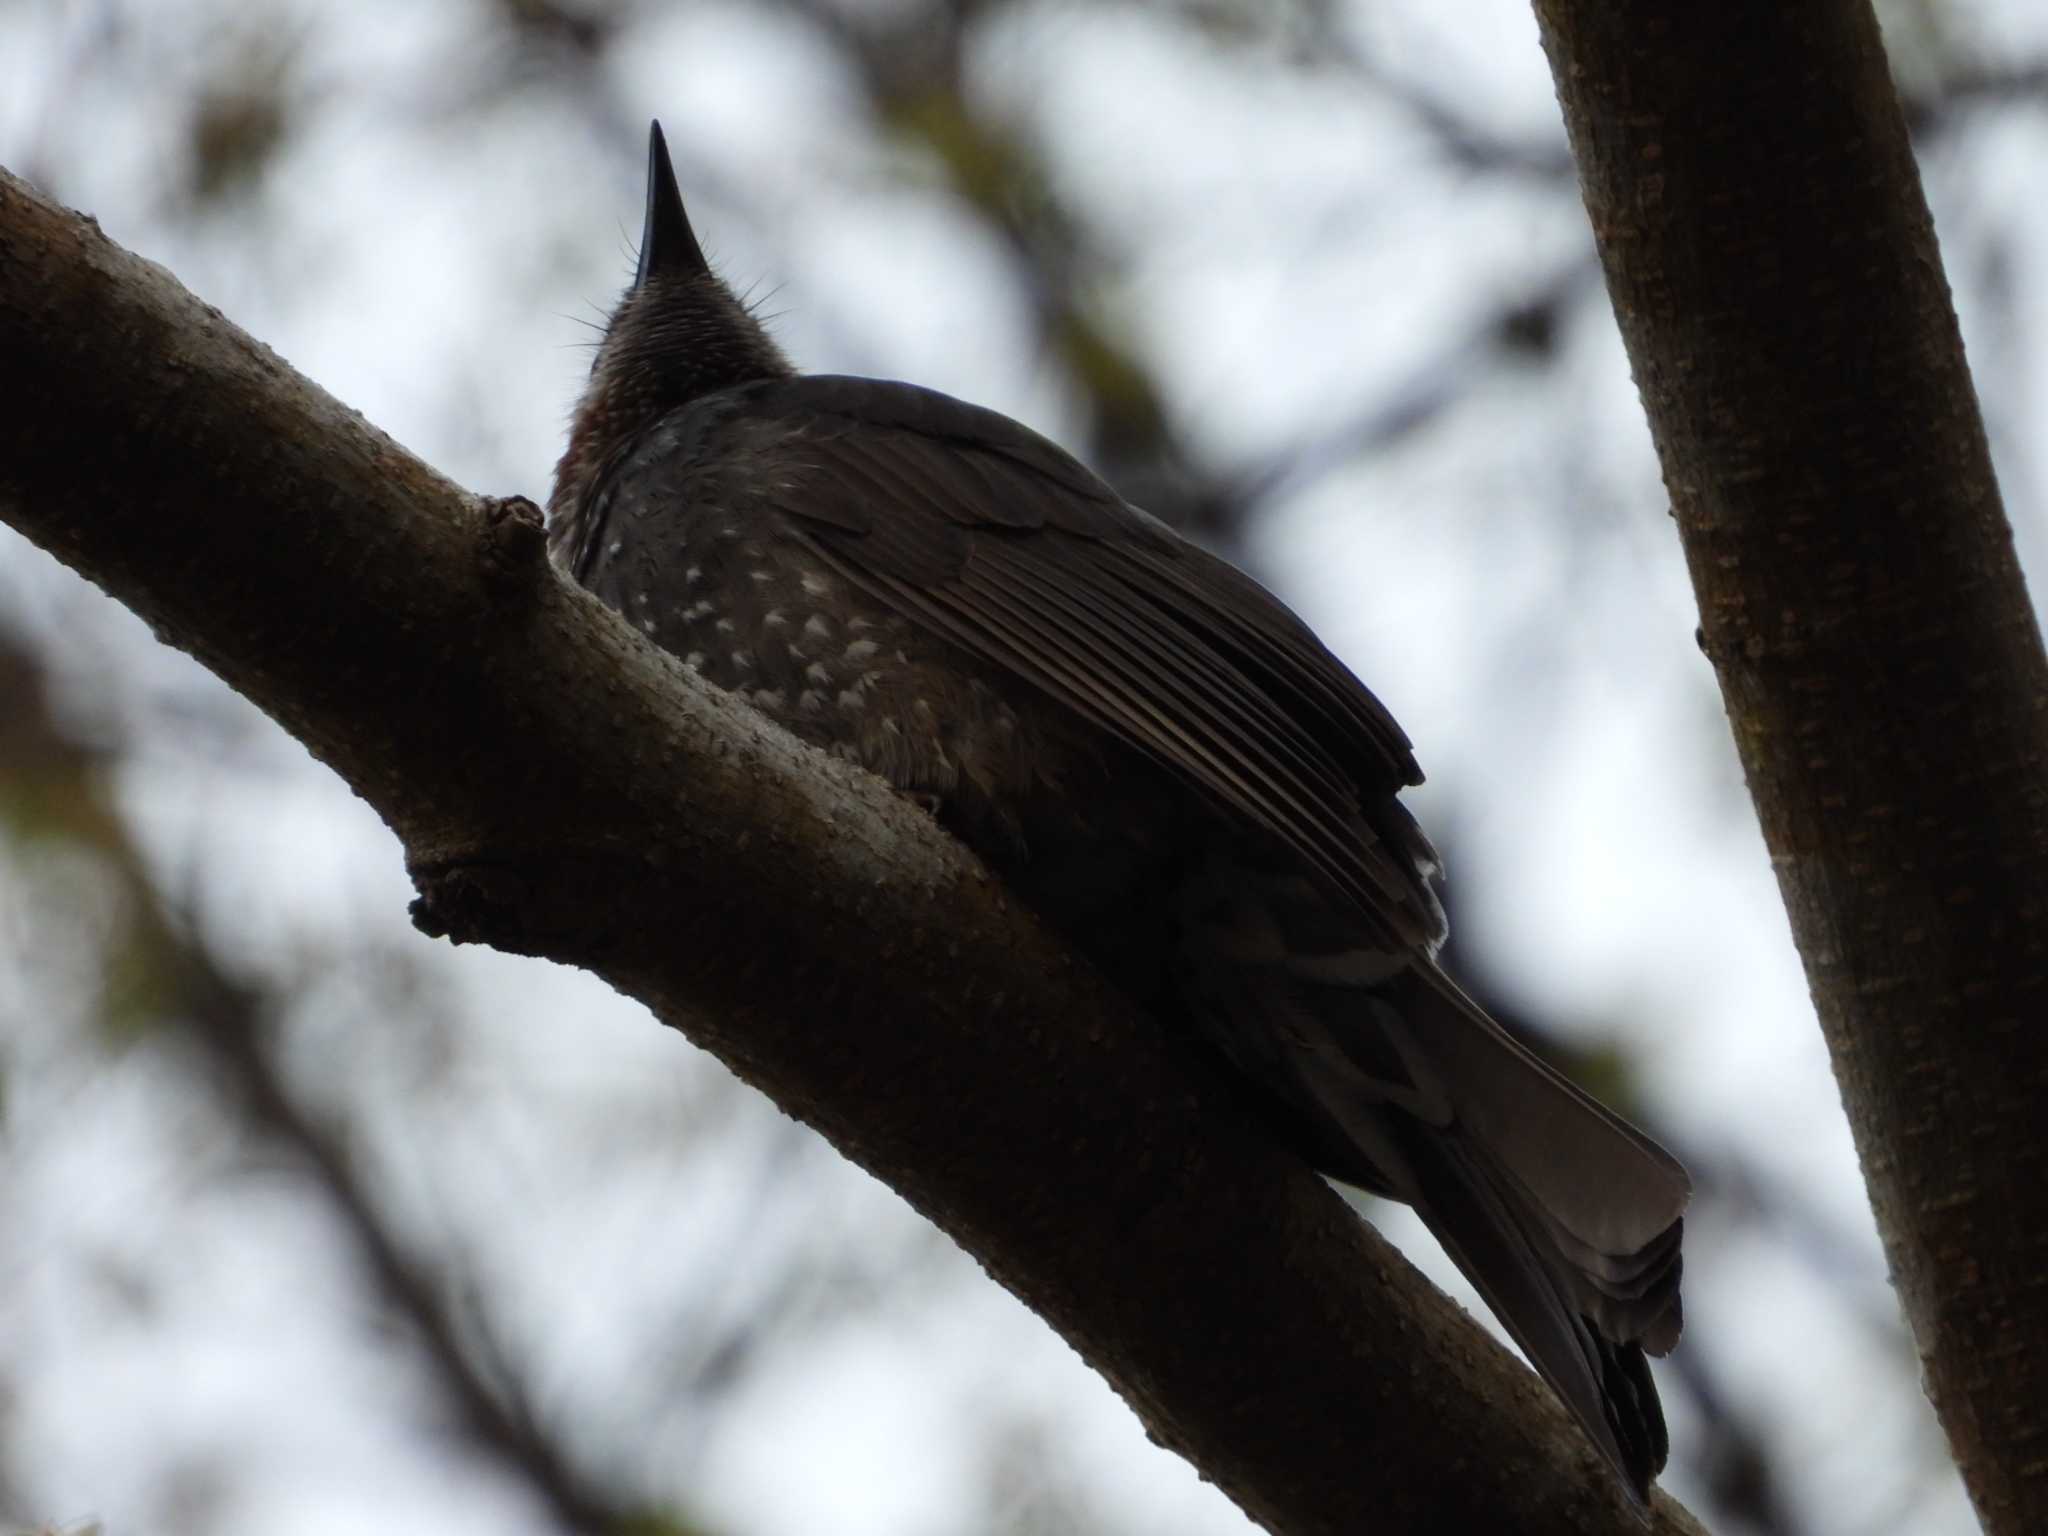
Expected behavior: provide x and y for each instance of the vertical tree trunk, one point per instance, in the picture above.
(1774, 269)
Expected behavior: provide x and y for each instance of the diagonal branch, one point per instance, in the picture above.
(562, 789)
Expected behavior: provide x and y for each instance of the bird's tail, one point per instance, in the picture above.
(1564, 1217)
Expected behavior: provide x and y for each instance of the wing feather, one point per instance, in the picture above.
(996, 539)
(1242, 738)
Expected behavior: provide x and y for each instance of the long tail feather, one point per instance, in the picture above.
(1564, 1217)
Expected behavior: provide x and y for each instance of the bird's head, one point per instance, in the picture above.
(678, 333)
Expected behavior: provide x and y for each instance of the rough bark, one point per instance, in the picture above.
(1773, 264)
(563, 789)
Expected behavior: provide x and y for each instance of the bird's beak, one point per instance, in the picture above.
(666, 242)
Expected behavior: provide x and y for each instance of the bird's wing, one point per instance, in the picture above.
(986, 533)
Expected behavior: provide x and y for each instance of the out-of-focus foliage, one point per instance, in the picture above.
(313, 1225)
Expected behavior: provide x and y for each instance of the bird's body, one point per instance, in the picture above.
(765, 609)
(1148, 747)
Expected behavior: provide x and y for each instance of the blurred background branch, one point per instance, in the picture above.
(160, 976)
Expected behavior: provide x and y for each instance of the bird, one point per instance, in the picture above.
(1143, 743)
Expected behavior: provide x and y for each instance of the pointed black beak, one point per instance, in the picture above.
(666, 243)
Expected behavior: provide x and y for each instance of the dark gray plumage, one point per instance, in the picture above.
(1149, 747)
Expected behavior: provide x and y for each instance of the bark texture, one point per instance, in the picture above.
(1773, 264)
(563, 789)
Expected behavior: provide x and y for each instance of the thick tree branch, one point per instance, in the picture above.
(1774, 267)
(563, 789)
